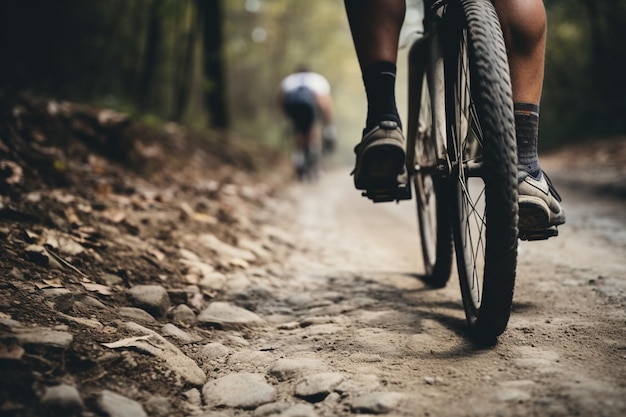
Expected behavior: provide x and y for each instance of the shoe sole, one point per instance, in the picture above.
(534, 214)
(380, 166)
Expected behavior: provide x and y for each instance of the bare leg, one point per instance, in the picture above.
(524, 27)
(375, 26)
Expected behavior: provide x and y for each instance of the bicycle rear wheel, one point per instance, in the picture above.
(431, 193)
(482, 149)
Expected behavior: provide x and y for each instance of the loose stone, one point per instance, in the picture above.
(170, 330)
(316, 387)
(377, 402)
(158, 406)
(183, 314)
(239, 390)
(62, 398)
(228, 316)
(289, 368)
(152, 298)
(115, 405)
(214, 351)
(299, 410)
(43, 336)
(136, 314)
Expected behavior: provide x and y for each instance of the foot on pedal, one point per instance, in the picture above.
(391, 192)
(380, 158)
(540, 234)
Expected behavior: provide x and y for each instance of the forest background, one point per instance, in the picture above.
(217, 64)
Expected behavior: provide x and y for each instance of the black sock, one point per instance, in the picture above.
(380, 81)
(526, 132)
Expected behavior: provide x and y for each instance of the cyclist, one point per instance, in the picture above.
(375, 27)
(306, 98)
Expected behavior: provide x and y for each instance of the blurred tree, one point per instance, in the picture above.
(584, 85)
(266, 40)
(210, 13)
(146, 55)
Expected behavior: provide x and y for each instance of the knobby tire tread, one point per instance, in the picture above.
(491, 92)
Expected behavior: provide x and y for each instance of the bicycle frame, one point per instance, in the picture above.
(429, 152)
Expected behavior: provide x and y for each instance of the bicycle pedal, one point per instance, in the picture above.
(387, 194)
(541, 234)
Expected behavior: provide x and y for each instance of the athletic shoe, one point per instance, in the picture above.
(380, 157)
(539, 207)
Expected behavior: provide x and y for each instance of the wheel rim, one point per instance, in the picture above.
(427, 212)
(467, 150)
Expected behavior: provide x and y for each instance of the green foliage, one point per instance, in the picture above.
(266, 44)
(142, 54)
(148, 56)
(584, 85)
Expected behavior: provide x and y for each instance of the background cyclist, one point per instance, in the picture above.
(306, 101)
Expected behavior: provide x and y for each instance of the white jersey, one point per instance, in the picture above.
(314, 81)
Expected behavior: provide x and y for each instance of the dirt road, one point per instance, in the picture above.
(310, 305)
(563, 353)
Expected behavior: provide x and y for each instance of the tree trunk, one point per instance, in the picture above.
(607, 61)
(151, 55)
(185, 73)
(210, 13)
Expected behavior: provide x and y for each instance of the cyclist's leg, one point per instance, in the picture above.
(375, 26)
(524, 26)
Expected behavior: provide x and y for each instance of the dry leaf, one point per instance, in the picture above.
(160, 256)
(114, 215)
(54, 283)
(99, 288)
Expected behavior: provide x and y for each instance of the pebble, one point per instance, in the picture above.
(111, 279)
(247, 357)
(152, 298)
(158, 406)
(316, 387)
(238, 390)
(55, 292)
(377, 402)
(43, 336)
(136, 314)
(62, 398)
(213, 280)
(193, 396)
(91, 302)
(171, 330)
(115, 405)
(182, 313)
(361, 382)
(285, 369)
(237, 341)
(299, 410)
(228, 316)
(214, 350)
(271, 409)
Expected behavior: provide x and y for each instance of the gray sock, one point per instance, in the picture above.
(526, 133)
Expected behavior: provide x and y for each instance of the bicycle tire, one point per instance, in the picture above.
(482, 147)
(435, 228)
(432, 198)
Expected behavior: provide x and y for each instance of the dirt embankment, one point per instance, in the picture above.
(93, 204)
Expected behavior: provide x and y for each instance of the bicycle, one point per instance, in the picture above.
(462, 160)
